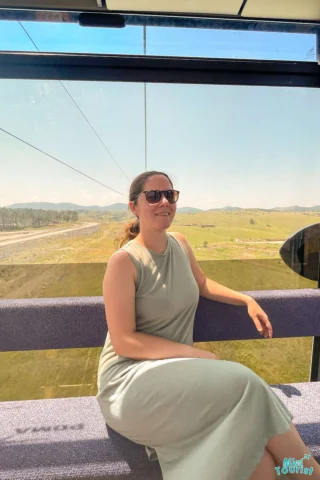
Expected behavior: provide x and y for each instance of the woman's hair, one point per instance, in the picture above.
(132, 229)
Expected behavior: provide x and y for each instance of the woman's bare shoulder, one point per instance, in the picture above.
(181, 239)
(122, 258)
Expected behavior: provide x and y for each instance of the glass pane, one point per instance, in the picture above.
(244, 159)
(70, 38)
(206, 43)
(163, 41)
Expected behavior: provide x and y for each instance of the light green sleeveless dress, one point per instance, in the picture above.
(202, 419)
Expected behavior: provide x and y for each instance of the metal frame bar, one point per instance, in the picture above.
(220, 22)
(125, 68)
(315, 360)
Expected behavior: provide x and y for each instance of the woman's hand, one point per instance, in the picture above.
(260, 318)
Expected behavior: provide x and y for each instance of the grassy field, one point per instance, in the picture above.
(74, 264)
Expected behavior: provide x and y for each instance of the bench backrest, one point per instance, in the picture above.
(78, 322)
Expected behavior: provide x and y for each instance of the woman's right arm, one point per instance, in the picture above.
(119, 300)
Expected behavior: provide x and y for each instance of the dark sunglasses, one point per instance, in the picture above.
(154, 196)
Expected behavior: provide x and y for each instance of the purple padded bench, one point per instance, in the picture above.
(67, 438)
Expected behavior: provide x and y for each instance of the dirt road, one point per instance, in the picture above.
(25, 236)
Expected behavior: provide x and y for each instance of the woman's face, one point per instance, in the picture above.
(149, 214)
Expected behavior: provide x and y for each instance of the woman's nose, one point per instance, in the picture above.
(163, 199)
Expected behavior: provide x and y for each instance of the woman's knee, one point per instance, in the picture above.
(243, 377)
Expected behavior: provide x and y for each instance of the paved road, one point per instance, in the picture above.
(16, 238)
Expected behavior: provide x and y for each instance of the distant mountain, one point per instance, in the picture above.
(123, 207)
(226, 208)
(189, 210)
(296, 208)
(115, 207)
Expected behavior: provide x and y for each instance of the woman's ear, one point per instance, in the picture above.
(132, 208)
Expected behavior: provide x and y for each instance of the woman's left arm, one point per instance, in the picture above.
(217, 292)
(214, 291)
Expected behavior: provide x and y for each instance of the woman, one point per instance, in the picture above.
(201, 417)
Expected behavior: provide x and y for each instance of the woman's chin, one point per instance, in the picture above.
(164, 224)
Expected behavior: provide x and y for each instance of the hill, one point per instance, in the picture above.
(123, 207)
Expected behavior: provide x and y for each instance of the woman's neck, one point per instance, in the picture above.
(158, 245)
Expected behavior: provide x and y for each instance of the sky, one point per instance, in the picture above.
(250, 147)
